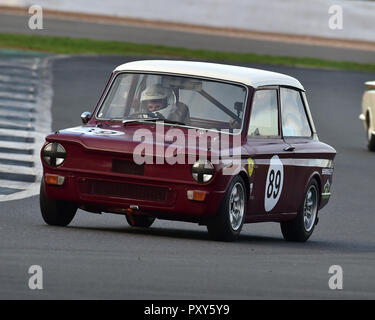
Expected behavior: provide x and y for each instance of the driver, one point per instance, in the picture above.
(157, 100)
(161, 102)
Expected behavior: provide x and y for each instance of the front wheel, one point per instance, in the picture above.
(227, 225)
(301, 228)
(56, 212)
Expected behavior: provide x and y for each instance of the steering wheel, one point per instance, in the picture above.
(145, 115)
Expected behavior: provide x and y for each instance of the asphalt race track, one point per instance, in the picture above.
(100, 256)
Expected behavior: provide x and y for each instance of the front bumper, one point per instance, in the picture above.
(116, 194)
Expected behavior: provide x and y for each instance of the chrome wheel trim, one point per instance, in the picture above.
(236, 206)
(310, 208)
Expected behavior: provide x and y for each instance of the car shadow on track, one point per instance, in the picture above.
(245, 239)
(153, 231)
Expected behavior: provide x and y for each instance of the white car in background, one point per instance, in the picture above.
(368, 113)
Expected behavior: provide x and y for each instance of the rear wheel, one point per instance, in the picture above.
(301, 228)
(56, 212)
(227, 225)
(140, 221)
(370, 135)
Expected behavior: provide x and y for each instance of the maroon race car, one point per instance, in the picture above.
(214, 144)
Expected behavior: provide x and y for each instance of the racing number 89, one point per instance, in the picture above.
(274, 184)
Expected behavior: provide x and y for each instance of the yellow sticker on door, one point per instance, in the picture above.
(250, 166)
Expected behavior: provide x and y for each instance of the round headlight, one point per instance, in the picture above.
(202, 171)
(54, 154)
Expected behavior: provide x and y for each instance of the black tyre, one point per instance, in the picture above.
(301, 228)
(370, 135)
(227, 224)
(56, 212)
(140, 221)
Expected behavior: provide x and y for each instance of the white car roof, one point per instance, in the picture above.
(248, 76)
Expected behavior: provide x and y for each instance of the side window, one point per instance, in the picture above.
(293, 114)
(264, 118)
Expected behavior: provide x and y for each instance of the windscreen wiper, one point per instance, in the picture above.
(152, 120)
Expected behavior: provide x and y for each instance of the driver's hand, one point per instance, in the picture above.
(158, 115)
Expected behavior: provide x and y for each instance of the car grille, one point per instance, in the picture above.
(127, 167)
(124, 190)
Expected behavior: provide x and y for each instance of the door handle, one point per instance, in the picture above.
(289, 148)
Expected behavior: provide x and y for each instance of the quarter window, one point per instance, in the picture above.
(264, 118)
(293, 114)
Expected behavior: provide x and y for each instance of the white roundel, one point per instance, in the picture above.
(274, 183)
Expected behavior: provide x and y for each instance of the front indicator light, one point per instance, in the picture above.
(196, 195)
(54, 179)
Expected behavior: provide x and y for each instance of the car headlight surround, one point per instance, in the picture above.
(202, 171)
(54, 154)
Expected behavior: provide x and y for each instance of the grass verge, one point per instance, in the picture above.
(63, 45)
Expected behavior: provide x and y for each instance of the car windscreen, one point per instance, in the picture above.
(188, 101)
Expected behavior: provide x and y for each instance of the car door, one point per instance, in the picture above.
(298, 132)
(269, 177)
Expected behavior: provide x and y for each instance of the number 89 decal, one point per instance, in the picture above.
(274, 183)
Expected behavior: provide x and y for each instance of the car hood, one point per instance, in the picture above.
(125, 139)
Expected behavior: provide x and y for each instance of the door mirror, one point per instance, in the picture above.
(85, 117)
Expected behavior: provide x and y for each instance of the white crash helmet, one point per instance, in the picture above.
(155, 92)
(158, 92)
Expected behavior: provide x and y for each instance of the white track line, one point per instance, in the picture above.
(42, 123)
(19, 114)
(21, 146)
(20, 72)
(16, 95)
(16, 169)
(22, 125)
(19, 65)
(16, 133)
(21, 185)
(17, 104)
(18, 157)
(9, 88)
(18, 79)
